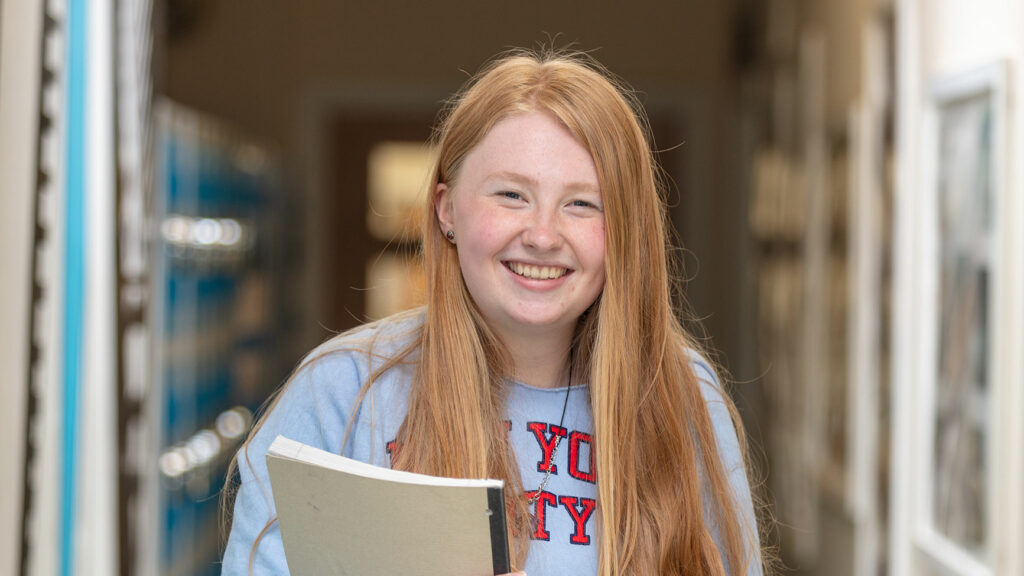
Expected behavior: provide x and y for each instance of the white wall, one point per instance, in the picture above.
(19, 101)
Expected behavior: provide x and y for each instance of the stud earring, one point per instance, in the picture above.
(450, 235)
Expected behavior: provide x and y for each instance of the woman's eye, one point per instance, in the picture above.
(584, 204)
(510, 195)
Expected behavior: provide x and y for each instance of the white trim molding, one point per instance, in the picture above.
(992, 405)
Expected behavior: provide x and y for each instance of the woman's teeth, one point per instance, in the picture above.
(538, 272)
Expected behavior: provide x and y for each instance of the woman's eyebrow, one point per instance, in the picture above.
(514, 177)
(524, 180)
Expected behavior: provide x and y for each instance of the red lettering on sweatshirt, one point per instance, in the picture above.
(540, 514)
(575, 440)
(392, 448)
(579, 516)
(546, 442)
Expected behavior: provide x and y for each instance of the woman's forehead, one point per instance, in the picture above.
(525, 148)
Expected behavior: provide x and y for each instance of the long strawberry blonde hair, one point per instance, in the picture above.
(661, 484)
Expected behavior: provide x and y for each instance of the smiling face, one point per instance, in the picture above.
(526, 210)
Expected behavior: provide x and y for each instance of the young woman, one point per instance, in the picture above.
(548, 355)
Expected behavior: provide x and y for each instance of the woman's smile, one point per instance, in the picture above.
(537, 272)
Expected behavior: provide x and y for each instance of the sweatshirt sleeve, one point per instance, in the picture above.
(313, 409)
(732, 461)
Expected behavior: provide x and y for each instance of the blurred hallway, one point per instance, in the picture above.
(196, 193)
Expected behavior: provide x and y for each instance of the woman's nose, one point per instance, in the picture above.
(543, 232)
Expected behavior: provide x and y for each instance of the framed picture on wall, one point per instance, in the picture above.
(956, 444)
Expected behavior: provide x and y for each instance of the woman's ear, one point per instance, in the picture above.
(443, 207)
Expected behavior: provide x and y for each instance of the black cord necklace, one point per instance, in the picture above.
(558, 441)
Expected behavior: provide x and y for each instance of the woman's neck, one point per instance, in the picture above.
(539, 361)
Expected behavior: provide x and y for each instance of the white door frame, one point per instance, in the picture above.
(916, 543)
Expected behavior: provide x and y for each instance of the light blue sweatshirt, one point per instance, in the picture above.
(315, 408)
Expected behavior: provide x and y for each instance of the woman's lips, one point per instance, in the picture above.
(535, 272)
